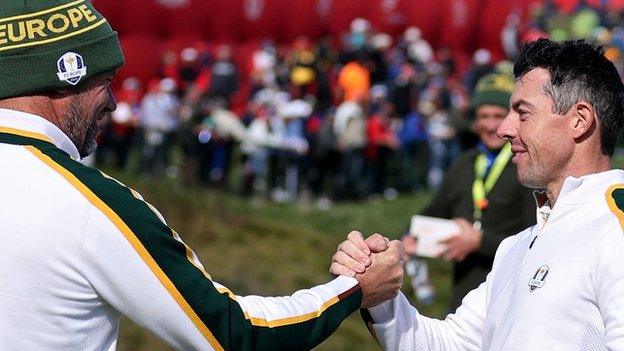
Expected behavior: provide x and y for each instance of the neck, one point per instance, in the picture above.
(598, 164)
(37, 105)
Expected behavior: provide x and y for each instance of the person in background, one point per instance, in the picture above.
(160, 120)
(80, 249)
(558, 285)
(480, 191)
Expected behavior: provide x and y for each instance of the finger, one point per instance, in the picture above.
(338, 269)
(396, 247)
(348, 261)
(448, 241)
(358, 239)
(377, 243)
(349, 248)
(451, 254)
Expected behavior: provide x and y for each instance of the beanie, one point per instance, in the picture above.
(53, 44)
(493, 89)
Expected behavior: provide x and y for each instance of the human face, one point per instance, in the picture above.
(487, 120)
(85, 109)
(540, 140)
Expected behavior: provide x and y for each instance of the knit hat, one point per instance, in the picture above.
(493, 89)
(53, 44)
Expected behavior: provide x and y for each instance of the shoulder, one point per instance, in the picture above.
(116, 201)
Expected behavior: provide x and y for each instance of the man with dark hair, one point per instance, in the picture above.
(558, 285)
(80, 248)
(481, 192)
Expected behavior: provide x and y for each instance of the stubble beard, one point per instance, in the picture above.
(80, 127)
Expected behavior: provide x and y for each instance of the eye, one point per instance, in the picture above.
(523, 114)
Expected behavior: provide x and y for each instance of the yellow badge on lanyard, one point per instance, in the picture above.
(482, 185)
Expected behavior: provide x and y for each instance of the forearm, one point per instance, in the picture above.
(397, 325)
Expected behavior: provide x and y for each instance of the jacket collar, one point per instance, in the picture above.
(33, 126)
(581, 190)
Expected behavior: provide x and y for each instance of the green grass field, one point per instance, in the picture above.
(267, 249)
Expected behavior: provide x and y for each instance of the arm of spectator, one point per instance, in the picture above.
(466, 242)
(141, 268)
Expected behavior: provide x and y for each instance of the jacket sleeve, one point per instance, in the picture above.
(141, 268)
(397, 325)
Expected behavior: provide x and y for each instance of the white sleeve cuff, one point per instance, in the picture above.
(383, 312)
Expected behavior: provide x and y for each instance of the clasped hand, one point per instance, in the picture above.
(376, 262)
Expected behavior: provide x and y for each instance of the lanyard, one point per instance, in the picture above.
(481, 187)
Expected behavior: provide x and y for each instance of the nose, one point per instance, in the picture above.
(112, 103)
(508, 129)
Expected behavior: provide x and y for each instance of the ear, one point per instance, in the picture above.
(584, 119)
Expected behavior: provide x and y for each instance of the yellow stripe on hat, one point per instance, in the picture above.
(34, 14)
(47, 41)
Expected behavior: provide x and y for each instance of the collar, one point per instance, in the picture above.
(33, 126)
(577, 191)
(582, 190)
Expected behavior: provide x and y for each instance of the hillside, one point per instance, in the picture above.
(256, 247)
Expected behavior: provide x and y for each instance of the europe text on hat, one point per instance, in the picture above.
(51, 44)
(493, 89)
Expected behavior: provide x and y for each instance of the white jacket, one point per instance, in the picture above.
(563, 292)
(79, 249)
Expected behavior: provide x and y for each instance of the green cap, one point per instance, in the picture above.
(53, 44)
(493, 89)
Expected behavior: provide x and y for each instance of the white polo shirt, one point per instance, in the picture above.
(79, 249)
(565, 291)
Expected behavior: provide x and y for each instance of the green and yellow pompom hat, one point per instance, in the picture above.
(47, 45)
(493, 89)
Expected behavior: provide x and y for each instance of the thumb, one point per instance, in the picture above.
(377, 243)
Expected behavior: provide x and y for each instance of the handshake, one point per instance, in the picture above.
(376, 263)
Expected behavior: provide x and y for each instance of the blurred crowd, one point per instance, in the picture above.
(365, 115)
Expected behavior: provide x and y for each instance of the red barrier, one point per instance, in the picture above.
(306, 18)
(425, 14)
(141, 17)
(389, 16)
(190, 18)
(227, 19)
(460, 24)
(143, 55)
(264, 19)
(340, 13)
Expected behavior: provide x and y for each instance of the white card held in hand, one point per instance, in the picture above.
(430, 231)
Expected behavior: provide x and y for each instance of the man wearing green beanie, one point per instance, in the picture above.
(481, 192)
(80, 248)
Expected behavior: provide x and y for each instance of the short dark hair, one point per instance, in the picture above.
(579, 71)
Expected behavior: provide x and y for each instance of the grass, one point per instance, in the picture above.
(256, 247)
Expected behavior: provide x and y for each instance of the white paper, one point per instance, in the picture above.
(430, 231)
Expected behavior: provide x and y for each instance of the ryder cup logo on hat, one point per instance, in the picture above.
(71, 68)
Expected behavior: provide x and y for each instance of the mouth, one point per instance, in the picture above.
(518, 152)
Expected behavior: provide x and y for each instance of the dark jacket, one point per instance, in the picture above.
(511, 209)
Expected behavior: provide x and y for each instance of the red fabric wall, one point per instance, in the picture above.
(193, 18)
(460, 24)
(426, 15)
(389, 16)
(306, 18)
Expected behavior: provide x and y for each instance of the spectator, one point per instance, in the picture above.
(160, 120)
(224, 81)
